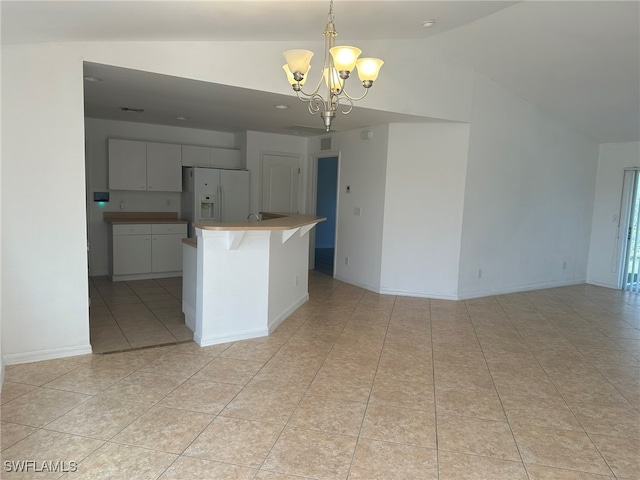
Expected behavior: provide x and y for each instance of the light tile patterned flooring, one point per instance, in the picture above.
(143, 313)
(540, 385)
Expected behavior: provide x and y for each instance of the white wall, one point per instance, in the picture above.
(96, 134)
(424, 194)
(259, 143)
(1, 357)
(44, 255)
(362, 166)
(43, 181)
(605, 252)
(528, 199)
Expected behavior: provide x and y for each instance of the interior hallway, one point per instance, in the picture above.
(536, 385)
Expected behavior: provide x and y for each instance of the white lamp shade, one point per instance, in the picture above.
(298, 60)
(368, 68)
(336, 82)
(344, 58)
(290, 78)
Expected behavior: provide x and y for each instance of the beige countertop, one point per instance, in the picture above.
(282, 222)
(192, 242)
(123, 218)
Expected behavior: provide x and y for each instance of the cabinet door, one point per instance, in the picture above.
(127, 165)
(166, 253)
(131, 254)
(225, 158)
(164, 167)
(193, 156)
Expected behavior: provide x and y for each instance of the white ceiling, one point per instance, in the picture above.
(578, 60)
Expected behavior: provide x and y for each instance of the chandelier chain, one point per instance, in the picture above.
(338, 63)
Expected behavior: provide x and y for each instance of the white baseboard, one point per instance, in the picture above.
(402, 293)
(371, 288)
(602, 284)
(230, 337)
(283, 316)
(16, 358)
(189, 316)
(519, 289)
(144, 276)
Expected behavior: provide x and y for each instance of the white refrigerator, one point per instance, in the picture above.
(213, 194)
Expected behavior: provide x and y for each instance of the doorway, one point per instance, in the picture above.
(630, 232)
(326, 206)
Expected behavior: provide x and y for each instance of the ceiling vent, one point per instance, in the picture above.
(132, 110)
(304, 130)
(325, 143)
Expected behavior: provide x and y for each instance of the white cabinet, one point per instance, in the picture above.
(147, 250)
(127, 165)
(146, 166)
(210, 157)
(225, 158)
(166, 247)
(193, 156)
(164, 167)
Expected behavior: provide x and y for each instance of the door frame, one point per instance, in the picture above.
(312, 202)
(630, 181)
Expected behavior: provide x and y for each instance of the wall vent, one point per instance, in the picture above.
(325, 143)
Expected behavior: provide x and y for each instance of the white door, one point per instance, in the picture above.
(280, 178)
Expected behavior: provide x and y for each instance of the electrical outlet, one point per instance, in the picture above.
(297, 280)
(121, 204)
(479, 273)
(346, 260)
(564, 265)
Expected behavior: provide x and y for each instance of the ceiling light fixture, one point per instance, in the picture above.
(182, 119)
(281, 106)
(339, 62)
(90, 78)
(428, 23)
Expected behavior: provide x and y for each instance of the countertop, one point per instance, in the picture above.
(124, 218)
(283, 221)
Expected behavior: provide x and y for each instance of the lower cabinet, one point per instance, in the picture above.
(142, 251)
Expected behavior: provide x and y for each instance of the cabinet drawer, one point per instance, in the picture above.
(169, 228)
(133, 229)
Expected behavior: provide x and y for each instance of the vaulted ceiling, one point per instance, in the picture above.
(578, 60)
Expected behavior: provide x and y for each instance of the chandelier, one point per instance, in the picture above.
(339, 62)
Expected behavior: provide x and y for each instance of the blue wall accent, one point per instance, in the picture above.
(327, 201)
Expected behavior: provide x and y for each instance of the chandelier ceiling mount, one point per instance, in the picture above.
(339, 62)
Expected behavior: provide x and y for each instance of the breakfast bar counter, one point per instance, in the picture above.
(241, 280)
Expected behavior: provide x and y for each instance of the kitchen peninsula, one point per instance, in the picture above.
(241, 280)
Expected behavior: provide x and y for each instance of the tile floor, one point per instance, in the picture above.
(143, 313)
(540, 385)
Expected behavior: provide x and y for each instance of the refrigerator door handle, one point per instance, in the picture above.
(222, 203)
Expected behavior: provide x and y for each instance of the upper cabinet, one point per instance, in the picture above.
(157, 167)
(212, 157)
(164, 167)
(127, 165)
(136, 165)
(193, 156)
